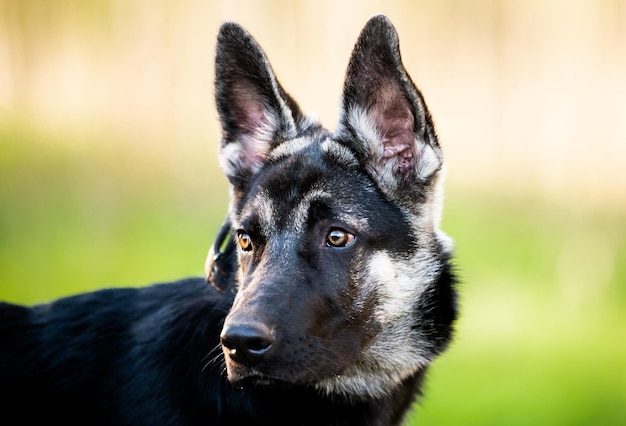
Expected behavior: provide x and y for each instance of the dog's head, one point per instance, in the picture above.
(343, 279)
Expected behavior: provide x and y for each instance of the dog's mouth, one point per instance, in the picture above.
(274, 375)
(255, 378)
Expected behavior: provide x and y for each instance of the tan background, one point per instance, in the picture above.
(527, 95)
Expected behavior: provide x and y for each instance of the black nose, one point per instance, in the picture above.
(247, 343)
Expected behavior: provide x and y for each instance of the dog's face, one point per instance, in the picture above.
(344, 280)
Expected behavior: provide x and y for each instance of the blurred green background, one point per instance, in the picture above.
(109, 176)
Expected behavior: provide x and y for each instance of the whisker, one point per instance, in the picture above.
(216, 357)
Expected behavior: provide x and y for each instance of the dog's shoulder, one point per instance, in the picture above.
(113, 309)
(103, 318)
(114, 347)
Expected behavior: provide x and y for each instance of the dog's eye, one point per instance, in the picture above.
(244, 240)
(339, 238)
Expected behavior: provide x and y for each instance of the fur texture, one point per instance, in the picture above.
(332, 296)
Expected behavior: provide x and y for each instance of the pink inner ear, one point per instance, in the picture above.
(250, 114)
(254, 124)
(394, 120)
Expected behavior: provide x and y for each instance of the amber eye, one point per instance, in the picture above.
(244, 241)
(339, 238)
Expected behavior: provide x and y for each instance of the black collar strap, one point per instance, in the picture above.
(215, 262)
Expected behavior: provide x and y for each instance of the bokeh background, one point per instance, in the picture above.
(109, 176)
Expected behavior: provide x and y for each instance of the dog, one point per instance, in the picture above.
(329, 290)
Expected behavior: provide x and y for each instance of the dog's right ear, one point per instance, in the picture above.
(255, 112)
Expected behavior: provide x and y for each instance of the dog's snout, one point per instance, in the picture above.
(247, 343)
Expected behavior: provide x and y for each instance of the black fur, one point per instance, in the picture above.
(148, 356)
(325, 306)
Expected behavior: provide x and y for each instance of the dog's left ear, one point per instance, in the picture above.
(255, 112)
(384, 117)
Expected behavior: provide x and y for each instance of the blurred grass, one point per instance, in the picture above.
(542, 336)
(78, 216)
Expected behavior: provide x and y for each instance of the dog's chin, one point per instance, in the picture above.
(241, 377)
(256, 379)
